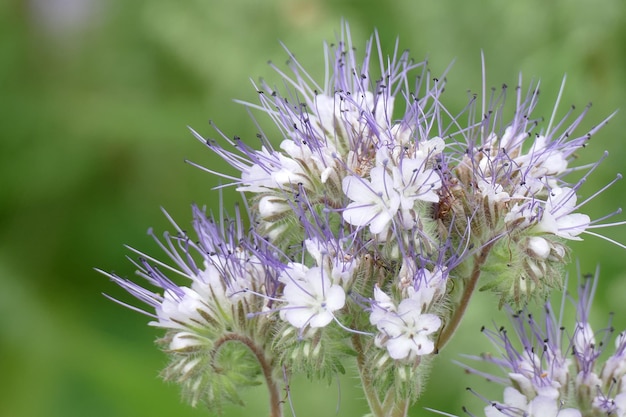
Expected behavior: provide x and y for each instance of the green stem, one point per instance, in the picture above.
(448, 331)
(266, 367)
(396, 408)
(400, 409)
(368, 388)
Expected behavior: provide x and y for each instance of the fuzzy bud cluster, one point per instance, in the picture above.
(552, 370)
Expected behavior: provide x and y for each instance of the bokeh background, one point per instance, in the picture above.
(95, 97)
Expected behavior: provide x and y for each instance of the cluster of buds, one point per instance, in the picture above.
(557, 370)
(370, 226)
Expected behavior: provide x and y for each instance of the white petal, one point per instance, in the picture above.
(295, 293)
(410, 309)
(491, 411)
(422, 345)
(357, 189)
(399, 347)
(583, 337)
(379, 223)
(572, 225)
(514, 398)
(359, 214)
(569, 412)
(381, 181)
(384, 109)
(297, 316)
(541, 406)
(548, 224)
(430, 147)
(522, 382)
(294, 272)
(539, 247)
(314, 248)
(325, 111)
(428, 323)
(429, 196)
(335, 298)
(382, 299)
(184, 340)
(326, 174)
(321, 319)
(272, 205)
(620, 402)
(562, 201)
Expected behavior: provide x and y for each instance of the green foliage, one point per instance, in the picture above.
(215, 377)
(320, 354)
(516, 277)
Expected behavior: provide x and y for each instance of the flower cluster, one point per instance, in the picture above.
(554, 370)
(371, 224)
(313, 294)
(227, 272)
(405, 329)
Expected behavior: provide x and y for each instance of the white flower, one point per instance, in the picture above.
(405, 332)
(311, 297)
(615, 366)
(539, 406)
(176, 310)
(276, 171)
(619, 402)
(336, 264)
(539, 247)
(415, 182)
(344, 119)
(557, 216)
(381, 306)
(429, 148)
(394, 185)
(584, 339)
(321, 162)
(374, 203)
(492, 190)
(272, 205)
(543, 160)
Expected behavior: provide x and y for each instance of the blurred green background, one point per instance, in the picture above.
(95, 97)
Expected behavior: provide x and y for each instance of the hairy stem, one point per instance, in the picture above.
(266, 367)
(368, 388)
(396, 408)
(448, 331)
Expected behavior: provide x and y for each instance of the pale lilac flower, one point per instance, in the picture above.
(557, 217)
(553, 216)
(340, 117)
(221, 269)
(311, 297)
(374, 203)
(415, 182)
(395, 185)
(405, 332)
(382, 305)
(492, 190)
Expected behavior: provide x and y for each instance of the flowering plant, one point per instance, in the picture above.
(365, 234)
